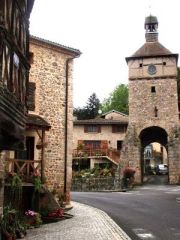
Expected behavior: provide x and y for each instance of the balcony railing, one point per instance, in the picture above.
(24, 168)
(112, 154)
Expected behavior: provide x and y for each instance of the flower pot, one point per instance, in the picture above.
(7, 236)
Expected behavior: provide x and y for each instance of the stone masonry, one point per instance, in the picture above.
(52, 70)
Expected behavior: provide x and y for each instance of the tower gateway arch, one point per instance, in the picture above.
(153, 105)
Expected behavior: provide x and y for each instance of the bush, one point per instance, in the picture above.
(128, 172)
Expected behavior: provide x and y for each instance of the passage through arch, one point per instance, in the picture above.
(154, 155)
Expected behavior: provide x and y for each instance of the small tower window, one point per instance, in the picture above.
(164, 63)
(155, 111)
(140, 65)
(153, 89)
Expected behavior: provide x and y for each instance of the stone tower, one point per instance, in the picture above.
(153, 104)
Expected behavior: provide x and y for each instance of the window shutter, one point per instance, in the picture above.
(104, 144)
(85, 129)
(99, 128)
(113, 129)
(31, 96)
(31, 57)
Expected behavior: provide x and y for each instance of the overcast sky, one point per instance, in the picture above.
(105, 31)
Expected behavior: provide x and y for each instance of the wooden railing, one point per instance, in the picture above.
(26, 168)
(112, 154)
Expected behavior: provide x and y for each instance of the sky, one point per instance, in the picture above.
(105, 31)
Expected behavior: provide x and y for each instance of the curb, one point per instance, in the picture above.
(115, 230)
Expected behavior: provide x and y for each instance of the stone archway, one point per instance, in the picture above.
(153, 134)
(148, 137)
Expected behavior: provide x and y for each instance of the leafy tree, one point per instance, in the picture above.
(117, 100)
(90, 110)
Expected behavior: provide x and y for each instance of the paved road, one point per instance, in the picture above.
(150, 212)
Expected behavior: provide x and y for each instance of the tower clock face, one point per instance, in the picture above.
(151, 69)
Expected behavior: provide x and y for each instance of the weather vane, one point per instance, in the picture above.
(150, 7)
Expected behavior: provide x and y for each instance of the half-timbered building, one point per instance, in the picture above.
(14, 69)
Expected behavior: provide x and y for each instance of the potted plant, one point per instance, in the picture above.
(128, 177)
(32, 219)
(12, 226)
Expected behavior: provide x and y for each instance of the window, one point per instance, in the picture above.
(92, 144)
(92, 128)
(164, 63)
(153, 89)
(119, 145)
(156, 112)
(140, 65)
(27, 154)
(118, 128)
(31, 57)
(31, 96)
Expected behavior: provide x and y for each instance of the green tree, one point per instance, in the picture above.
(90, 110)
(117, 100)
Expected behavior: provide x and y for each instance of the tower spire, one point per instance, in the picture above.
(151, 27)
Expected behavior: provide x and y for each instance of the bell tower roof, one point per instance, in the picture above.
(150, 21)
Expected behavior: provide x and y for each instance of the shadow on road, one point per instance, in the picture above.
(155, 180)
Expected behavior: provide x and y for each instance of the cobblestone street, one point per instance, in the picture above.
(87, 223)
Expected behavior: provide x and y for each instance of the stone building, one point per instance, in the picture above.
(51, 81)
(153, 104)
(98, 142)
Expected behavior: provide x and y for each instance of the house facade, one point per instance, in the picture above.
(98, 142)
(51, 79)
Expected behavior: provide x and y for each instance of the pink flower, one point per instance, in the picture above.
(30, 213)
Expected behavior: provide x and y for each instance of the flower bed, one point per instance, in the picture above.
(56, 215)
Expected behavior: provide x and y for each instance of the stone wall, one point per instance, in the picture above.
(131, 153)
(142, 102)
(49, 71)
(93, 184)
(174, 156)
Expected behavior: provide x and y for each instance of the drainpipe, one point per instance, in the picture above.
(66, 123)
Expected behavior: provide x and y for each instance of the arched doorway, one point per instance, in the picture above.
(154, 155)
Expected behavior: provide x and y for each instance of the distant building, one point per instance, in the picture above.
(98, 142)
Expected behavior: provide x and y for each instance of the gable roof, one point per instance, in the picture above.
(100, 121)
(111, 111)
(70, 50)
(152, 49)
